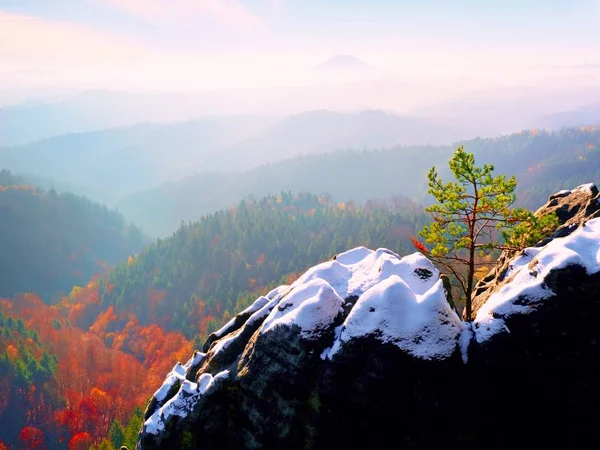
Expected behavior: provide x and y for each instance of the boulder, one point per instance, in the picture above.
(366, 350)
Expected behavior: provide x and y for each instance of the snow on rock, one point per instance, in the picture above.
(262, 313)
(183, 402)
(585, 187)
(353, 272)
(423, 325)
(222, 344)
(316, 298)
(277, 292)
(258, 304)
(400, 301)
(466, 336)
(312, 306)
(562, 193)
(195, 360)
(527, 272)
(204, 382)
(180, 405)
(176, 375)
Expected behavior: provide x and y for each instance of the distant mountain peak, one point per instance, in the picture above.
(343, 62)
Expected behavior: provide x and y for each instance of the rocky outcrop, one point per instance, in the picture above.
(573, 209)
(365, 350)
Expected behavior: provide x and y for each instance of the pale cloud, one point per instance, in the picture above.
(36, 51)
(185, 12)
(25, 38)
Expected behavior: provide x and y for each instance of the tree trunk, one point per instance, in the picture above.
(470, 277)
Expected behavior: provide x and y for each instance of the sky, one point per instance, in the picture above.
(207, 44)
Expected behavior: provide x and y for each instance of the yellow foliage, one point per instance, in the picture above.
(481, 272)
(76, 290)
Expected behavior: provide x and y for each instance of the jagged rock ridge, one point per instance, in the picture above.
(365, 350)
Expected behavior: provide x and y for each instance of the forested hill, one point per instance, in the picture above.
(51, 241)
(543, 161)
(209, 270)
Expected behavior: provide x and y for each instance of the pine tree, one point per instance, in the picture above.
(473, 217)
(117, 434)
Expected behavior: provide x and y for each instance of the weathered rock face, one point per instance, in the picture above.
(573, 209)
(365, 351)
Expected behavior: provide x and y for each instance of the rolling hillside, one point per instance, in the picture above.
(544, 163)
(51, 241)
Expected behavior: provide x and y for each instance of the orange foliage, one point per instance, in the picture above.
(18, 187)
(12, 352)
(100, 326)
(81, 441)
(419, 245)
(102, 375)
(291, 277)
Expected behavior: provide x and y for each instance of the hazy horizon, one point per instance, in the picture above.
(230, 85)
(203, 45)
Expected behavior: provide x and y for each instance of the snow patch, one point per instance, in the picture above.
(223, 344)
(183, 402)
(195, 360)
(176, 374)
(528, 272)
(257, 305)
(204, 382)
(423, 325)
(225, 328)
(330, 350)
(406, 292)
(179, 405)
(262, 313)
(355, 271)
(586, 187)
(312, 306)
(466, 336)
(277, 292)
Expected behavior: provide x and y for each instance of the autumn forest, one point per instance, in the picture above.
(94, 313)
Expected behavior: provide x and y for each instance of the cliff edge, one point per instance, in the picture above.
(365, 350)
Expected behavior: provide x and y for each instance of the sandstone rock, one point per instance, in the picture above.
(365, 351)
(572, 207)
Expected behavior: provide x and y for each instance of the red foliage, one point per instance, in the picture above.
(81, 441)
(419, 245)
(32, 438)
(102, 374)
